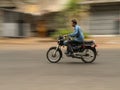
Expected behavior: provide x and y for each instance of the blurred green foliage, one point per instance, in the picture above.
(86, 35)
(72, 11)
(63, 18)
(62, 32)
(72, 4)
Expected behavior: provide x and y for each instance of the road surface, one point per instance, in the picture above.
(26, 68)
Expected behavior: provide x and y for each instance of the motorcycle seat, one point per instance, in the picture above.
(88, 42)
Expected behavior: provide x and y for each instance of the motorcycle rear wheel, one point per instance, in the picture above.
(90, 55)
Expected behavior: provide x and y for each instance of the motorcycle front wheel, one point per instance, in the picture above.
(54, 55)
(89, 55)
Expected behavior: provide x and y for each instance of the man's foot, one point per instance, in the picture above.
(69, 54)
(66, 52)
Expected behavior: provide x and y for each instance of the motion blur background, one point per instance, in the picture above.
(28, 28)
(41, 18)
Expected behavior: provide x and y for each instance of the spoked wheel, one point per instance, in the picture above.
(54, 55)
(89, 55)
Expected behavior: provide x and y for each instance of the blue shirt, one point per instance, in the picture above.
(78, 34)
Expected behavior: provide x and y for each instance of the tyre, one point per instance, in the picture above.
(89, 56)
(54, 58)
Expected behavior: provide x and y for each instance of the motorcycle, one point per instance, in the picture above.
(86, 51)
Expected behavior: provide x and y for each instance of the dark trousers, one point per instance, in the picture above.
(69, 45)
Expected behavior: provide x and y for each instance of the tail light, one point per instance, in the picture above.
(96, 45)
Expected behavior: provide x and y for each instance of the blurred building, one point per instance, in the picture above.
(4, 4)
(104, 17)
(24, 18)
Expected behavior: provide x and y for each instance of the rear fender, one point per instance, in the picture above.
(93, 48)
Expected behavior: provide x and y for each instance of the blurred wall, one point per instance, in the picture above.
(104, 19)
(15, 24)
(1, 20)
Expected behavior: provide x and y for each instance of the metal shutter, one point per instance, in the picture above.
(103, 22)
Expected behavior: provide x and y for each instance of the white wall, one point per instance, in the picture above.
(1, 22)
(9, 29)
(12, 30)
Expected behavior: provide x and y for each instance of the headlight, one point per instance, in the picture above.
(58, 41)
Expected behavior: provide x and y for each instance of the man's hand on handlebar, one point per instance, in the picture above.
(65, 35)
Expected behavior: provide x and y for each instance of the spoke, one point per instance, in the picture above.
(53, 57)
(89, 55)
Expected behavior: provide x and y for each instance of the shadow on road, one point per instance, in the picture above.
(78, 63)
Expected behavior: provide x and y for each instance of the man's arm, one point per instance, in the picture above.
(75, 32)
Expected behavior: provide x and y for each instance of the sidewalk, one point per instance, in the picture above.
(105, 42)
(25, 41)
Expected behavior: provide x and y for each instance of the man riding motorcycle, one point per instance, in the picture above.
(76, 48)
(78, 34)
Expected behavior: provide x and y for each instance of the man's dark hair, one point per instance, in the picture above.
(74, 21)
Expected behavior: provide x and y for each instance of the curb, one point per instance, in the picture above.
(104, 36)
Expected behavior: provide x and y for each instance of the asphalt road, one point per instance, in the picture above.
(26, 68)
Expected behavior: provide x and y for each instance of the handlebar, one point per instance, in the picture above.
(69, 37)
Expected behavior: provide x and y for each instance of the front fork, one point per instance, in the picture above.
(54, 53)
